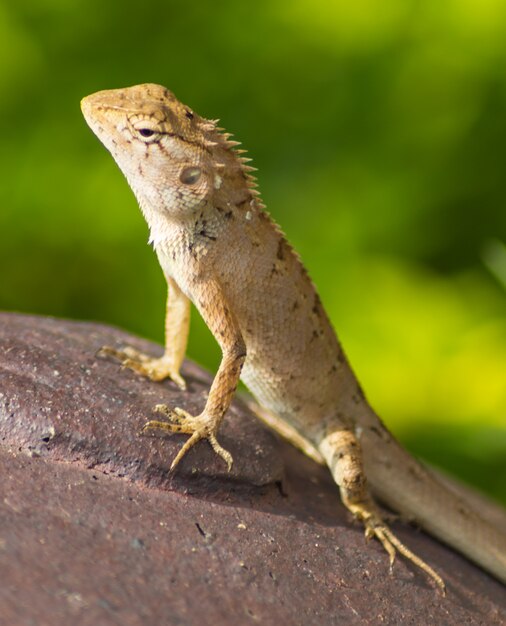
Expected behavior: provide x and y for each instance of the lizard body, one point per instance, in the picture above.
(219, 249)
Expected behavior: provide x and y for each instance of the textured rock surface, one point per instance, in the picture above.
(59, 401)
(94, 531)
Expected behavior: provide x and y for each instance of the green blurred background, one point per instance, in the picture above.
(379, 129)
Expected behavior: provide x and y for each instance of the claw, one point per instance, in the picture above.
(375, 527)
(156, 369)
(182, 422)
(164, 409)
(221, 452)
(106, 351)
(189, 443)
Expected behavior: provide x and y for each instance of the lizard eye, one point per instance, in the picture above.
(190, 175)
(147, 135)
(146, 128)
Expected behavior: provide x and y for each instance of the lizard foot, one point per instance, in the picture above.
(199, 427)
(376, 527)
(155, 369)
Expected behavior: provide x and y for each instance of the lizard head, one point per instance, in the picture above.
(173, 159)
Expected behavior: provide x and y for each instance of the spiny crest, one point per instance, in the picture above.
(213, 136)
(223, 138)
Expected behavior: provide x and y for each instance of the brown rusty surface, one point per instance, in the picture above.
(93, 531)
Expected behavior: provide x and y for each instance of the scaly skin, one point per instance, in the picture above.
(219, 249)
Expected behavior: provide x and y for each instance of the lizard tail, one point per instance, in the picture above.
(407, 487)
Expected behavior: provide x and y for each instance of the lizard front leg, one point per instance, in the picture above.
(223, 324)
(177, 324)
(342, 452)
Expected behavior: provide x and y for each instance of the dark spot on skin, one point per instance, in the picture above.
(413, 473)
(280, 254)
(375, 430)
(226, 213)
(140, 170)
(314, 335)
(355, 399)
(333, 368)
(274, 270)
(295, 305)
(189, 114)
(318, 333)
(355, 480)
(360, 392)
(200, 231)
(340, 357)
(317, 305)
(240, 349)
(207, 235)
(244, 201)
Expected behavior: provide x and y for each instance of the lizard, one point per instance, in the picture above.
(220, 250)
